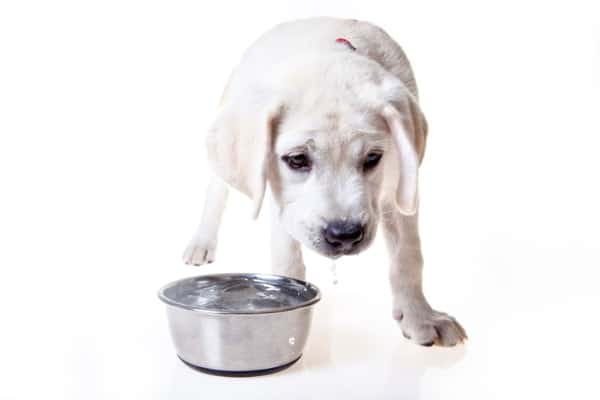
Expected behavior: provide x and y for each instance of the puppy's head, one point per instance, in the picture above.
(330, 151)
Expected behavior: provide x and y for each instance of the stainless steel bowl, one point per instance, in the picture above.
(234, 323)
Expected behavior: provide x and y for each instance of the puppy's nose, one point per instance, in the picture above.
(343, 235)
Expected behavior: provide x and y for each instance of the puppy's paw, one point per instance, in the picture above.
(200, 252)
(430, 327)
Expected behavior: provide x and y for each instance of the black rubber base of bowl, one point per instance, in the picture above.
(240, 374)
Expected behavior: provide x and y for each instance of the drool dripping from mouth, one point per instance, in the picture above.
(334, 275)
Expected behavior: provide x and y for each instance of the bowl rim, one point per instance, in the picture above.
(170, 302)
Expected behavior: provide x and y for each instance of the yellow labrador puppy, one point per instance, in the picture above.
(325, 110)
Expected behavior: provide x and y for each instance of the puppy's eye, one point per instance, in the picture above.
(297, 161)
(371, 161)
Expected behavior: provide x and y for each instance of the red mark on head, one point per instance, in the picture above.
(346, 42)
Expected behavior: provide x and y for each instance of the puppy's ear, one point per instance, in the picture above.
(409, 130)
(239, 145)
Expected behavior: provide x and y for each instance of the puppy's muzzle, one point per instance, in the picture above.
(343, 236)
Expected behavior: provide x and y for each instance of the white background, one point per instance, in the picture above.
(103, 106)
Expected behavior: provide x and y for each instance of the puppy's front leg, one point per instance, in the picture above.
(201, 248)
(286, 252)
(417, 319)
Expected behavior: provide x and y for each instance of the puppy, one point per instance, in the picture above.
(325, 110)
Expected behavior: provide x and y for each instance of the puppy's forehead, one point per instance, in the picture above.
(330, 129)
(315, 140)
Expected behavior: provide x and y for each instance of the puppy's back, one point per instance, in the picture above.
(314, 35)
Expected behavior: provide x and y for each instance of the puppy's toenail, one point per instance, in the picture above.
(427, 344)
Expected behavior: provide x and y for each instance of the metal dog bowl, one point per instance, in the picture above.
(239, 323)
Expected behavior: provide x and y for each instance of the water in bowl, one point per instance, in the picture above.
(241, 294)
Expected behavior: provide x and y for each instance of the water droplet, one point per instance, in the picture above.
(334, 273)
